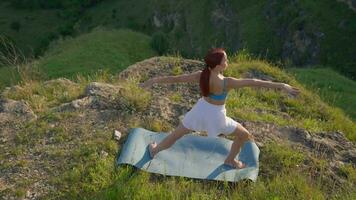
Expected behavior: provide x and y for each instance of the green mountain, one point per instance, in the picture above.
(297, 33)
(85, 59)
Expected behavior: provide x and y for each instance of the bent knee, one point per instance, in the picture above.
(244, 136)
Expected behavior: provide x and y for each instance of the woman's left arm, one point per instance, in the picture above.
(238, 83)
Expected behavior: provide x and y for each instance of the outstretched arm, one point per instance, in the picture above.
(239, 83)
(190, 78)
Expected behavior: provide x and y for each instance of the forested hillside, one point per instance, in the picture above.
(295, 33)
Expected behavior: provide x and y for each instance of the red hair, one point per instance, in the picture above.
(212, 58)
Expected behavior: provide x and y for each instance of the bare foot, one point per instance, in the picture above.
(151, 149)
(235, 164)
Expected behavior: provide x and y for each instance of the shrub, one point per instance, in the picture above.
(160, 42)
(15, 26)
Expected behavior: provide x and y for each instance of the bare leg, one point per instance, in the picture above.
(241, 136)
(169, 140)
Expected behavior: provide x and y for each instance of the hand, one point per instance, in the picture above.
(146, 84)
(292, 91)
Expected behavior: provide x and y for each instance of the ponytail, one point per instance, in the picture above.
(204, 82)
(213, 58)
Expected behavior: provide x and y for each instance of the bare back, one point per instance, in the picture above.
(216, 86)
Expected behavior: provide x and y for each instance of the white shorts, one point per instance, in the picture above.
(208, 117)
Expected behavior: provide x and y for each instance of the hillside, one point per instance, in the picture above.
(332, 88)
(111, 50)
(297, 33)
(102, 49)
(30, 29)
(56, 136)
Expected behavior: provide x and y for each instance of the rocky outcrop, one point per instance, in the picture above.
(10, 109)
(350, 3)
(332, 146)
(63, 82)
(300, 38)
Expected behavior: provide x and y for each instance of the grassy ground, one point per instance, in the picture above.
(71, 152)
(105, 50)
(330, 86)
(307, 111)
(99, 50)
(85, 172)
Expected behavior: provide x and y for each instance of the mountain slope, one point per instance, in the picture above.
(106, 50)
(330, 86)
(99, 50)
(295, 32)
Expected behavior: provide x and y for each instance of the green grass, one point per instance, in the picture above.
(285, 180)
(109, 51)
(94, 177)
(35, 26)
(8, 76)
(333, 88)
(85, 173)
(41, 96)
(307, 111)
(99, 50)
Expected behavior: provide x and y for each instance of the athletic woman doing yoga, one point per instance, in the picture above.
(209, 113)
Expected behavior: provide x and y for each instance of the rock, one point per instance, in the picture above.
(103, 154)
(332, 145)
(85, 102)
(12, 89)
(61, 81)
(101, 89)
(349, 156)
(117, 135)
(28, 194)
(18, 108)
(97, 96)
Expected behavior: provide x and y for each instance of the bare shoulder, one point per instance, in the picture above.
(232, 82)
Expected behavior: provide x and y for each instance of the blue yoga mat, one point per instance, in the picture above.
(191, 156)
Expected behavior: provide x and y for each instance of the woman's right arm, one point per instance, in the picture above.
(192, 78)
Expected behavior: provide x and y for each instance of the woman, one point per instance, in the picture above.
(209, 113)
